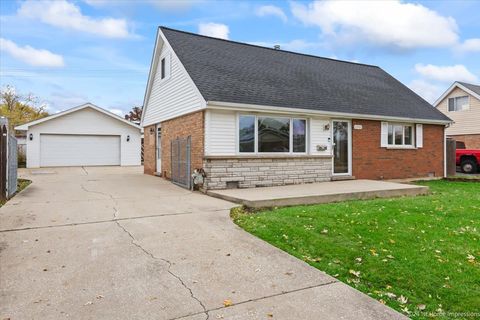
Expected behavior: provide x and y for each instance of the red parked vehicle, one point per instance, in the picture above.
(467, 159)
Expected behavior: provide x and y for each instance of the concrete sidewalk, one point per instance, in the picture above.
(323, 192)
(112, 243)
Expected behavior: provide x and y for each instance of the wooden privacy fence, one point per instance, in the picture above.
(8, 162)
(451, 165)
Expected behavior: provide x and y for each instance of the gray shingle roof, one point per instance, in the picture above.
(229, 71)
(475, 88)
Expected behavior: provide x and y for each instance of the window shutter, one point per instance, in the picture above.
(451, 104)
(419, 135)
(384, 135)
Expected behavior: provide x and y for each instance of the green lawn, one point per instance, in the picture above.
(419, 255)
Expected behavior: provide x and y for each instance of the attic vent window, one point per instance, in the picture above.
(276, 47)
(162, 67)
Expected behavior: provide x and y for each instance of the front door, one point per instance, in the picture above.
(159, 149)
(341, 147)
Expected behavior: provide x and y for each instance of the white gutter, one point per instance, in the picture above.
(272, 109)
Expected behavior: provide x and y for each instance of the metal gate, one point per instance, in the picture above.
(8, 162)
(180, 161)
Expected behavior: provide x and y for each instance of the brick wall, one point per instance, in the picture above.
(370, 161)
(265, 172)
(472, 141)
(149, 149)
(188, 125)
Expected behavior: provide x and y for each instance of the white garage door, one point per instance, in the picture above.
(79, 150)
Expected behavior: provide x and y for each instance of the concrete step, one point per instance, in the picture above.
(323, 192)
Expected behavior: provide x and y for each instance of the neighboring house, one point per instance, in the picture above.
(461, 103)
(82, 136)
(261, 117)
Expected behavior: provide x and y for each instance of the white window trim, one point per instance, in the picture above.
(256, 152)
(455, 103)
(403, 145)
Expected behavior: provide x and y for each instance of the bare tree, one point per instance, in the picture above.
(134, 115)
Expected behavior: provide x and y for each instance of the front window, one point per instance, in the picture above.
(247, 134)
(458, 103)
(299, 135)
(400, 134)
(264, 134)
(273, 134)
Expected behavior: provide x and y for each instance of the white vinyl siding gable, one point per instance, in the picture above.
(465, 121)
(174, 95)
(220, 132)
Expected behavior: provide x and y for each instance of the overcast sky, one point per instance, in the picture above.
(71, 52)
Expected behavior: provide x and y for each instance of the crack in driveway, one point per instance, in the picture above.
(169, 263)
(261, 298)
(148, 253)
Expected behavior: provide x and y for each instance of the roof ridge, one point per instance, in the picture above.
(470, 84)
(268, 48)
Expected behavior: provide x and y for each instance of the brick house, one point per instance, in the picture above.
(263, 117)
(461, 103)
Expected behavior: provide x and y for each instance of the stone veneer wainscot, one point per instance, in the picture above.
(261, 171)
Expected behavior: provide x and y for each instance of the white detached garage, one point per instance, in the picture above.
(82, 136)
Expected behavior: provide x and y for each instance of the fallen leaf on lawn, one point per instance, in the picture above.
(324, 231)
(402, 299)
(227, 302)
(391, 241)
(391, 295)
(421, 307)
(406, 310)
(390, 256)
(358, 259)
(374, 252)
(355, 273)
(471, 258)
(388, 286)
(382, 301)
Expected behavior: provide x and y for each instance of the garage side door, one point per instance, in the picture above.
(79, 150)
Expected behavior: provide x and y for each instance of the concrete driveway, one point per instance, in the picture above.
(112, 243)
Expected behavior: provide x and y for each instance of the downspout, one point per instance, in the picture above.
(445, 151)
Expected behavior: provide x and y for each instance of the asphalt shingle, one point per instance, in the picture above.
(229, 71)
(475, 88)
